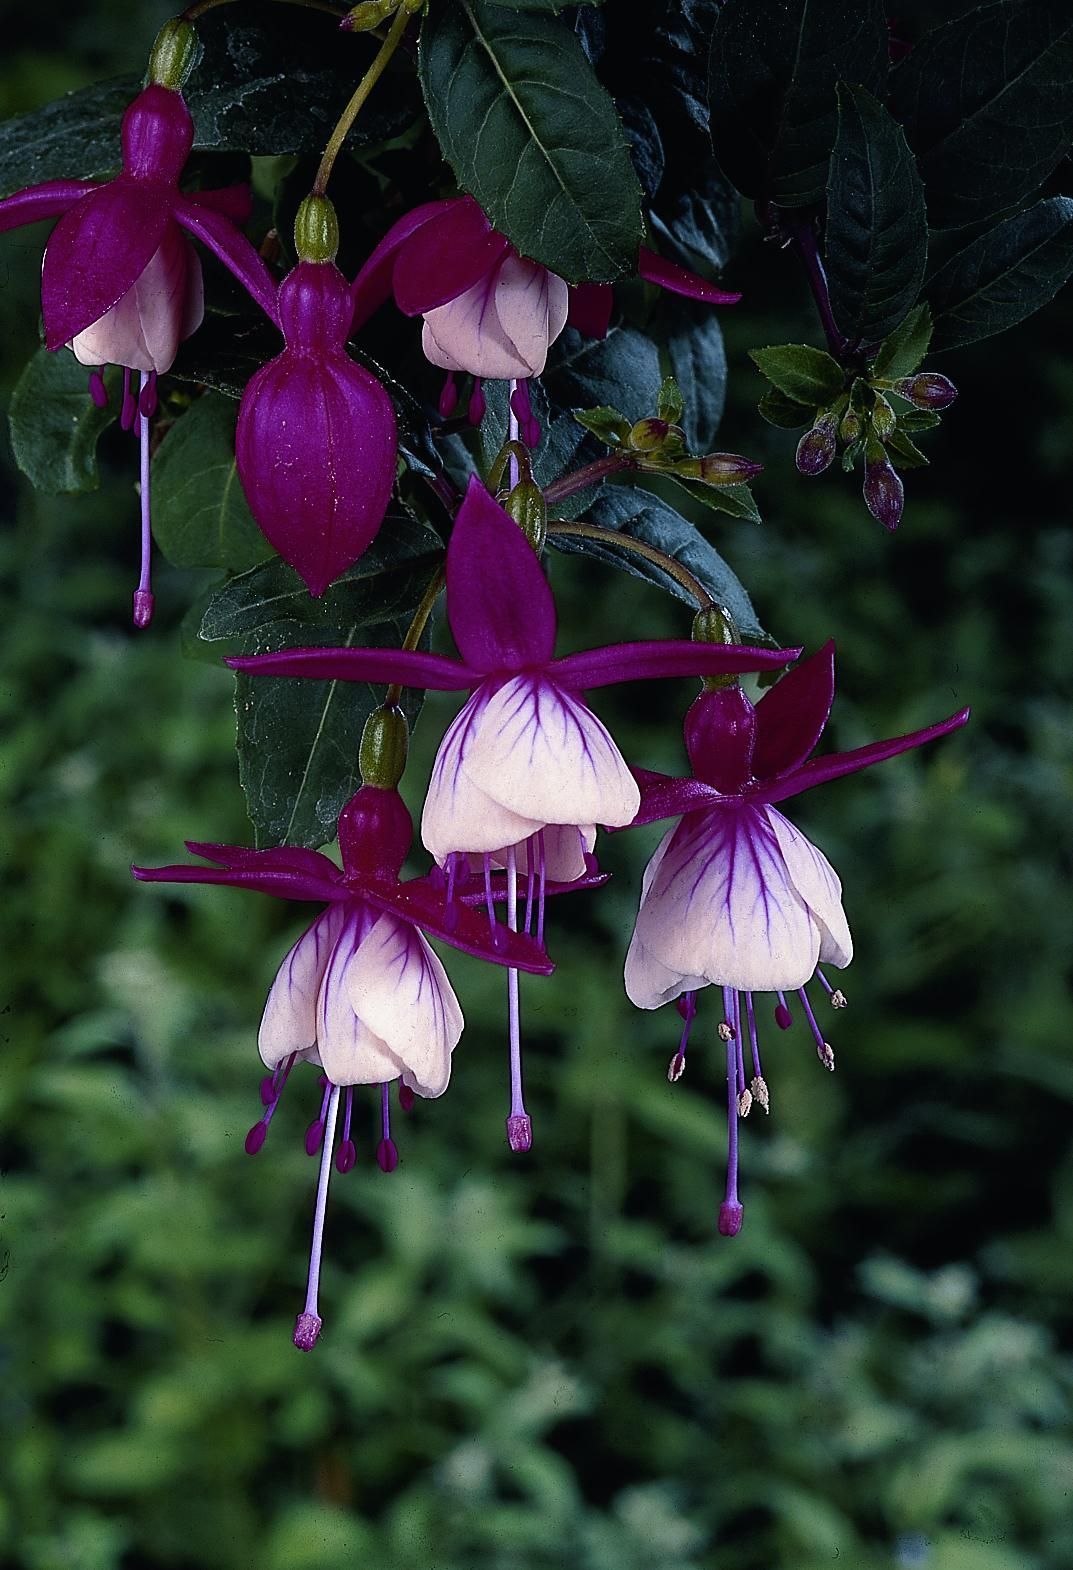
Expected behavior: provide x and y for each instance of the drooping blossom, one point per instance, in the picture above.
(121, 283)
(489, 312)
(526, 771)
(735, 896)
(316, 440)
(361, 995)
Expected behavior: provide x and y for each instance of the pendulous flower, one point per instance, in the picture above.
(316, 440)
(361, 995)
(735, 896)
(526, 771)
(120, 282)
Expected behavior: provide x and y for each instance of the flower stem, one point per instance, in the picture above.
(804, 239)
(416, 628)
(624, 542)
(559, 489)
(361, 93)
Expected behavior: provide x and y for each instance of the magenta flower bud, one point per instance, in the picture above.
(884, 493)
(720, 733)
(928, 390)
(728, 468)
(316, 442)
(816, 449)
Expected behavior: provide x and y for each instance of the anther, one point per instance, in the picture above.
(97, 390)
(256, 1137)
(406, 1098)
(826, 1054)
(731, 1215)
(745, 1103)
(783, 1018)
(477, 404)
(760, 1093)
(347, 1154)
(519, 1132)
(268, 1090)
(448, 397)
(387, 1155)
(676, 1067)
(839, 999)
(725, 1031)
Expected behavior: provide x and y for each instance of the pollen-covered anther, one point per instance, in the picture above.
(839, 999)
(760, 1094)
(725, 1031)
(826, 1054)
(745, 1103)
(306, 1330)
(676, 1068)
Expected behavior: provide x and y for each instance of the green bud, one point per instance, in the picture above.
(362, 18)
(715, 624)
(850, 429)
(648, 435)
(316, 230)
(384, 743)
(527, 507)
(883, 417)
(173, 54)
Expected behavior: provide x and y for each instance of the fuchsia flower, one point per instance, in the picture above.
(488, 311)
(121, 283)
(316, 441)
(735, 896)
(526, 771)
(361, 995)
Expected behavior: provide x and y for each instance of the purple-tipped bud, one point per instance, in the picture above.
(306, 1331)
(519, 1133)
(928, 390)
(648, 435)
(268, 1090)
(387, 1155)
(727, 468)
(143, 603)
(884, 493)
(816, 449)
(783, 1018)
(731, 1214)
(346, 1156)
(314, 1135)
(97, 390)
(256, 1137)
(406, 1098)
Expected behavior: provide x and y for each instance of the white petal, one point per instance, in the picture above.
(650, 984)
(144, 328)
(351, 1053)
(721, 905)
(541, 753)
(527, 304)
(289, 1022)
(400, 991)
(466, 334)
(457, 814)
(565, 845)
(818, 885)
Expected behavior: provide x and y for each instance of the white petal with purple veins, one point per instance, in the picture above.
(721, 905)
(163, 306)
(818, 885)
(458, 814)
(565, 845)
(399, 989)
(532, 306)
(467, 334)
(542, 753)
(351, 1053)
(289, 1022)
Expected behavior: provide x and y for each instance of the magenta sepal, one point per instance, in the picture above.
(408, 667)
(212, 225)
(663, 796)
(671, 657)
(820, 770)
(42, 201)
(679, 280)
(791, 716)
(499, 603)
(451, 254)
(97, 252)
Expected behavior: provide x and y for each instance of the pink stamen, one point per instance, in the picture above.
(783, 1018)
(147, 397)
(489, 899)
(731, 1211)
(530, 881)
(542, 864)
(97, 390)
(275, 1083)
(448, 396)
(736, 1022)
(687, 1009)
(143, 594)
(519, 1127)
(477, 403)
(513, 431)
(315, 1131)
(450, 911)
(128, 410)
(308, 1324)
(347, 1154)
(387, 1155)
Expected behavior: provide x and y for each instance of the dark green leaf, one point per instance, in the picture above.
(608, 425)
(801, 371)
(200, 514)
(987, 102)
(693, 341)
(905, 348)
(696, 218)
(621, 371)
(642, 516)
(918, 420)
(876, 241)
(774, 68)
(784, 412)
(74, 138)
(533, 136)
(55, 425)
(1003, 276)
(670, 405)
(225, 352)
(545, 5)
(901, 445)
(737, 501)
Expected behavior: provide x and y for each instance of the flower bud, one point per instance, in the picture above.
(816, 449)
(527, 507)
(884, 493)
(361, 18)
(850, 428)
(173, 54)
(316, 230)
(714, 624)
(648, 435)
(384, 743)
(928, 390)
(883, 417)
(727, 468)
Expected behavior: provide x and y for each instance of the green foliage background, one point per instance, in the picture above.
(556, 1360)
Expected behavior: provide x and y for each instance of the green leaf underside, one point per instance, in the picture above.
(55, 425)
(774, 68)
(200, 514)
(987, 100)
(648, 518)
(876, 237)
(903, 351)
(76, 137)
(800, 371)
(737, 501)
(531, 134)
(1004, 275)
(620, 371)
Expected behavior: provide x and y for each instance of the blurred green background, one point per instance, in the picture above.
(554, 1360)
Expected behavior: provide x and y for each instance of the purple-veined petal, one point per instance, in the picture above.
(351, 1053)
(566, 848)
(544, 755)
(818, 885)
(232, 248)
(447, 256)
(721, 905)
(372, 286)
(410, 668)
(316, 452)
(679, 280)
(671, 657)
(832, 768)
(532, 306)
(231, 201)
(590, 308)
(289, 1022)
(790, 717)
(423, 904)
(458, 815)
(399, 989)
(662, 796)
(37, 202)
(281, 882)
(499, 603)
(467, 333)
(164, 305)
(96, 252)
(281, 858)
(650, 984)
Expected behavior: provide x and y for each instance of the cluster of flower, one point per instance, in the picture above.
(734, 897)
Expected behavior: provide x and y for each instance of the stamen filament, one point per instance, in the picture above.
(519, 1128)
(307, 1326)
(730, 1211)
(143, 594)
(754, 1048)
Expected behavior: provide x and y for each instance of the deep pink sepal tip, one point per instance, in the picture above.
(306, 1330)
